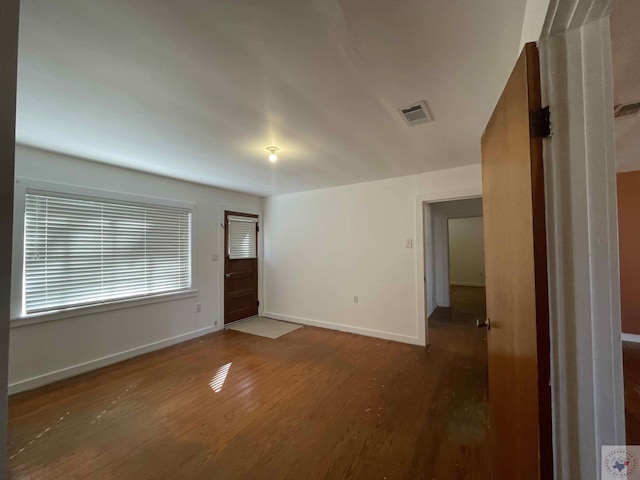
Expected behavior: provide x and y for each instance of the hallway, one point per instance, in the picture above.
(467, 305)
(463, 408)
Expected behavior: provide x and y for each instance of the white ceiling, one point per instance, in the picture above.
(625, 50)
(197, 89)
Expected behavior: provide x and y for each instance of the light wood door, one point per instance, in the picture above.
(516, 280)
(240, 274)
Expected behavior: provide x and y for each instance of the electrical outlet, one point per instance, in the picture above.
(355, 299)
(214, 257)
(215, 323)
(198, 308)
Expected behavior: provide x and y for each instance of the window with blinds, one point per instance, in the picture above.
(242, 234)
(86, 251)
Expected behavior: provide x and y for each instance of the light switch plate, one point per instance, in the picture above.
(409, 243)
(214, 257)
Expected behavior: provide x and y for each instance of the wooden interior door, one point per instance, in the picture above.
(516, 279)
(240, 274)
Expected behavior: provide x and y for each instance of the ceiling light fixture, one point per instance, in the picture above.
(272, 156)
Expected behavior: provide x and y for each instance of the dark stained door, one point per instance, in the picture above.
(240, 266)
(516, 280)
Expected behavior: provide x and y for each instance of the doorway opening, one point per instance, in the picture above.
(455, 291)
(240, 266)
(454, 264)
(466, 270)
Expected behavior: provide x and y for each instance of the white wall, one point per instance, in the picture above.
(323, 247)
(466, 252)
(535, 13)
(48, 351)
(440, 213)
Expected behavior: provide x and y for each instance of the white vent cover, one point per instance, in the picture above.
(416, 114)
(626, 109)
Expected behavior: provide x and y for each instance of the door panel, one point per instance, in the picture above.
(240, 279)
(516, 280)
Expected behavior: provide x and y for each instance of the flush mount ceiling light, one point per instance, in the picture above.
(272, 156)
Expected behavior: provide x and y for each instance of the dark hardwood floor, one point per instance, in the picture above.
(312, 404)
(631, 369)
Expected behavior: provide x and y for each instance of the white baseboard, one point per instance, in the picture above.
(346, 328)
(630, 337)
(466, 284)
(63, 373)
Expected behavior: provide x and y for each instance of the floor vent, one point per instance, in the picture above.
(416, 114)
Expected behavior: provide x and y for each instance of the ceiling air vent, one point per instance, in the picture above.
(626, 109)
(416, 114)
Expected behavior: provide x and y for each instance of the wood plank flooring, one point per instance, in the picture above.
(313, 404)
(631, 370)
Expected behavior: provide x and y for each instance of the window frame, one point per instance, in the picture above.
(254, 219)
(22, 186)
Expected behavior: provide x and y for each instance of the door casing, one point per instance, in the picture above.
(582, 232)
(421, 247)
(225, 260)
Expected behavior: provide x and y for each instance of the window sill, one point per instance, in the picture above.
(103, 307)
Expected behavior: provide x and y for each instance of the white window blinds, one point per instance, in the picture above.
(242, 233)
(83, 250)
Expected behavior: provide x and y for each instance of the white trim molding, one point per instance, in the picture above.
(100, 307)
(9, 20)
(584, 291)
(346, 328)
(21, 188)
(74, 370)
(422, 309)
(631, 337)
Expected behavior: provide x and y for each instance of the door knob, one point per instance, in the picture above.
(485, 323)
(228, 275)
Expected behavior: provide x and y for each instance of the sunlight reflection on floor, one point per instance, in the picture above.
(218, 379)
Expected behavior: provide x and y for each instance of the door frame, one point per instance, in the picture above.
(423, 245)
(8, 70)
(221, 253)
(584, 290)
